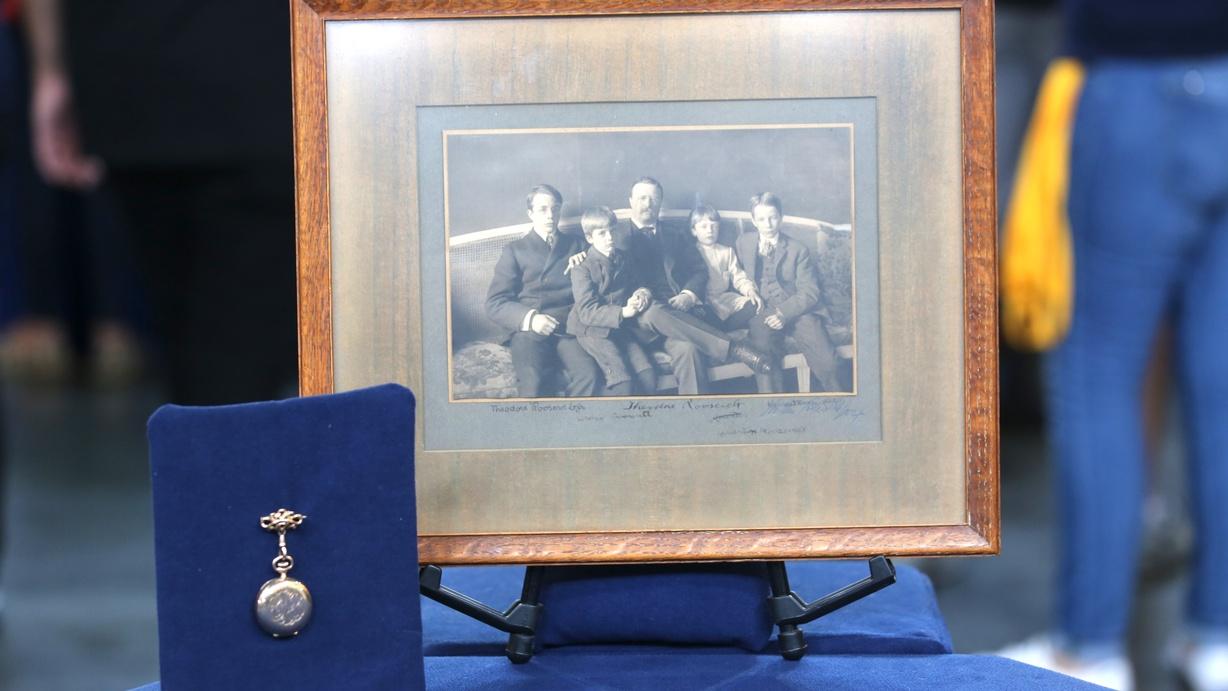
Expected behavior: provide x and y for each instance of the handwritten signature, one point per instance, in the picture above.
(839, 409)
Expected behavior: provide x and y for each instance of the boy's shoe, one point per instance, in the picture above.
(1201, 667)
(1039, 651)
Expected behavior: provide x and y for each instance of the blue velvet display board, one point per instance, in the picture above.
(344, 460)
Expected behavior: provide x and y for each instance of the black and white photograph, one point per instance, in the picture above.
(651, 261)
(678, 267)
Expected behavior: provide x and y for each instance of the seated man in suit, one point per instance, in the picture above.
(788, 283)
(530, 296)
(676, 275)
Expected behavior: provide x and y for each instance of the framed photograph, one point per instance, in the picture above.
(672, 281)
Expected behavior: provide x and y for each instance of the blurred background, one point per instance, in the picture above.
(147, 256)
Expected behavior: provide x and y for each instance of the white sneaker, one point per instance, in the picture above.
(1039, 651)
(1203, 667)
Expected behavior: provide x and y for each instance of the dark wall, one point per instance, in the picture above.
(489, 174)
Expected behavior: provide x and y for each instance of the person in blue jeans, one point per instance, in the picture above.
(1148, 207)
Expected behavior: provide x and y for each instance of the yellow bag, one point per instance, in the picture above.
(1037, 270)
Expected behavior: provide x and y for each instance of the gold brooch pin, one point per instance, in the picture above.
(283, 605)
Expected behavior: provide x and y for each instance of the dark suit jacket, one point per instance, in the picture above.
(601, 285)
(529, 275)
(668, 264)
(795, 272)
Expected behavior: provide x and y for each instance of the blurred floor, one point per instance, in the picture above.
(78, 575)
(79, 579)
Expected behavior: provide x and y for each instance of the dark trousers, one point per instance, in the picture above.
(686, 338)
(811, 339)
(537, 361)
(626, 366)
(216, 252)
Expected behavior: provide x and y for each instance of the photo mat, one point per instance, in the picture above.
(816, 155)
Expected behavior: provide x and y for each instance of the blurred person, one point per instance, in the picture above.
(1027, 35)
(10, 145)
(1148, 212)
(185, 108)
(65, 275)
(9, 116)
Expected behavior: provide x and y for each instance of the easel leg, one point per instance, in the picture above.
(520, 645)
(792, 640)
(790, 611)
(519, 620)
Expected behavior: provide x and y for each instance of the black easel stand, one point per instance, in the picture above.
(519, 620)
(789, 610)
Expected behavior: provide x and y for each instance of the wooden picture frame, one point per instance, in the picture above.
(360, 205)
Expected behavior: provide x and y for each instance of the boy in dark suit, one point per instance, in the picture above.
(530, 297)
(608, 297)
(789, 287)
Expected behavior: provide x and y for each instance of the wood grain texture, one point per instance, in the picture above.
(314, 262)
(436, 9)
(701, 545)
(981, 533)
(980, 272)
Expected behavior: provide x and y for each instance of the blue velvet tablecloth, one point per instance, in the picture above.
(894, 639)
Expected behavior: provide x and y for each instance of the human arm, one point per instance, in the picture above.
(690, 271)
(54, 135)
(503, 305)
(574, 260)
(743, 283)
(590, 309)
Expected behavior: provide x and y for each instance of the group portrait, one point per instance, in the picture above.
(716, 262)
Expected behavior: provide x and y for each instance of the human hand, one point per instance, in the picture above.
(774, 321)
(54, 136)
(630, 309)
(682, 301)
(756, 300)
(644, 296)
(573, 261)
(543, 324)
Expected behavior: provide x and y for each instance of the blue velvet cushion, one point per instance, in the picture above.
(902, 619)
(689, 604)
(346, 461)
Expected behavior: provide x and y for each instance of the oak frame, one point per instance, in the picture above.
(979, 534)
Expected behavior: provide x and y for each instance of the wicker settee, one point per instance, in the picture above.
(482, 366)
